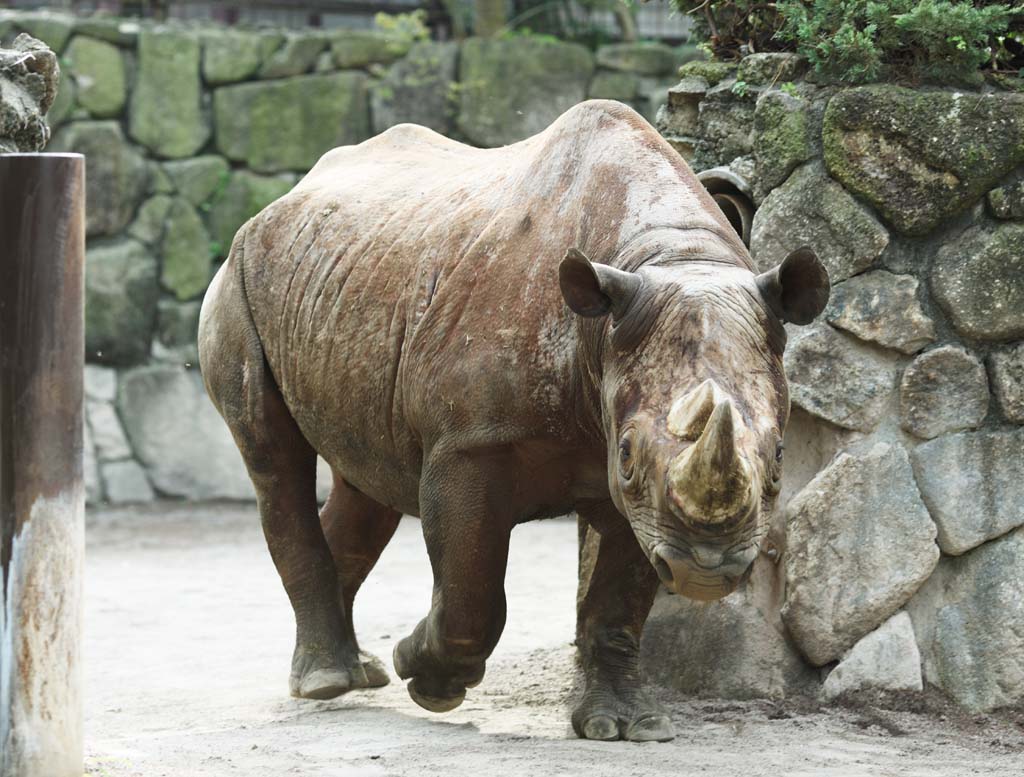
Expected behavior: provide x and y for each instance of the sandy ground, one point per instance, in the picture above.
(189, 638)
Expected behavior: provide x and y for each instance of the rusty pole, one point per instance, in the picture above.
(42, 504)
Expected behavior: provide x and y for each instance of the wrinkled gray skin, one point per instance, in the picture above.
(487, 337)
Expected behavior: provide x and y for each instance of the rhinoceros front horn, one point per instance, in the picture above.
(710, 481)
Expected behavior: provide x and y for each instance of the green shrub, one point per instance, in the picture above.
(855, 41)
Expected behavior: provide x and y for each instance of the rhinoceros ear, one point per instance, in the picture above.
(593, 290)
(797, 290)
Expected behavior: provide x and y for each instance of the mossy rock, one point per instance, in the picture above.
(288, 124)
(99, 73)
(64, 103)
(185, 251)
(359, 48)
(614, 85)
(648, 58)
(197, 179)
(120, 32)
(166, 112)
(230, 56)
(245, 195)
(121, 291)
(712, 72)
(921, 157)
(151, 219)
(116, 175)
(417, 89)
(297, 55)
(511, 89)
(51, 28)
(770, 68)
(978, 280)
(782, 136)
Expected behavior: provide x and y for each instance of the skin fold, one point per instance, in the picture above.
(486, 337)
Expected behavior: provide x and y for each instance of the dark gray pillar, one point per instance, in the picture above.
(42, 503)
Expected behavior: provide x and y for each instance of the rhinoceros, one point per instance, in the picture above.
(484, 337)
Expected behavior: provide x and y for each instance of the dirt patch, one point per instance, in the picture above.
(189, 637)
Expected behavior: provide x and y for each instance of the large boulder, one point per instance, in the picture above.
(1007, 369)
(90, 469)
(234, 55)
(199, 178)
(735, 648)
(769, 68)
(860, 543)
(121, 290)
(887, 659)
(116, 175)
(921, 157)
(53, 29)
(289, 123)
(99, 73)
(883, 308)
(836, 378)
(245, 195)
(297, 55)
(943, 390)
(813, 210)
(973, 484)
(969, 622)
(177, 331)
(125, 482)
(359, 48)
(511, 89)
(783, 136)
(417, 89)
(646, 58)
(185, 250)
(166, 113)
(725, 126)
(978, 280)
(107, 434)
(1007, 202)
(179, 437)
(29, 77)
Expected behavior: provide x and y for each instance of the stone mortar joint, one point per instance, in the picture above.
(29, 77)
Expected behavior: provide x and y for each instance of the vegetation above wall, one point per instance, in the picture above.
(859, 41)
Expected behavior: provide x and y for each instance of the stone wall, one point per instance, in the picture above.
(189, 131)
(896, 555)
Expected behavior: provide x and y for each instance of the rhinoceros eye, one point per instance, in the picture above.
(626, 459)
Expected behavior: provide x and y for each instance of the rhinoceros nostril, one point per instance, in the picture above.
(662, 568)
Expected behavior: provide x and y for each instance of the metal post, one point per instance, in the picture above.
(42, 503)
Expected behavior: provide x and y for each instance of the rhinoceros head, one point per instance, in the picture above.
(694, 402)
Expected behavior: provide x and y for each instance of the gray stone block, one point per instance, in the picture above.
(860, 543)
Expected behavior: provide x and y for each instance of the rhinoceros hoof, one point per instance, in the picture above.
(330, 682)
(433, 703)
(321, 684)
(609, 726)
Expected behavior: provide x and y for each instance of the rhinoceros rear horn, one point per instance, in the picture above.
(797, 290)
(592, 290)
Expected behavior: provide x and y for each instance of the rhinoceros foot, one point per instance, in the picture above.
(309, 681)
(606, 715)
(437, 690)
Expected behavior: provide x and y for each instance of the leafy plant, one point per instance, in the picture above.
(404, 26)
(855, 41)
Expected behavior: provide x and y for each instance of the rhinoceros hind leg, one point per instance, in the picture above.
(282, 466)
(357, 529)
(617, 587)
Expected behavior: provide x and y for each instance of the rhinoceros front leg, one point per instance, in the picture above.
(617, 588)
(467, 537)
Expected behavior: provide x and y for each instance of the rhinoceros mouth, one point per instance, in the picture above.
(680, 573)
